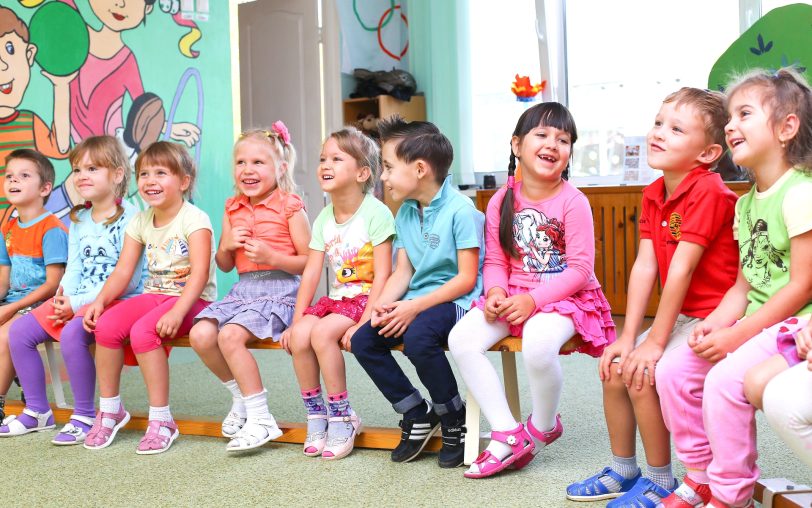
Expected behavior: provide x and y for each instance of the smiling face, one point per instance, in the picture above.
(95, 182)
(400, 178)
(16, 59)
(161, 188)
(22, 183)
(544, 153)
(338, 169)
(677, 139)
(749, 134)
(255, 169)
(120, 15)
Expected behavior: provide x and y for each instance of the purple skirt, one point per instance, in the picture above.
(260, 302)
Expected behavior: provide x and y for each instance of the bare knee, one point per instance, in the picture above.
(300, 340)
(321, 341)
(614, 385)
(203, 337)
(646, 393)
(754, 383)
(232, 338)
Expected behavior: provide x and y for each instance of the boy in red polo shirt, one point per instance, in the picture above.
(686, 237)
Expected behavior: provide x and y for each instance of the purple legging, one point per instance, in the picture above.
(24, 337)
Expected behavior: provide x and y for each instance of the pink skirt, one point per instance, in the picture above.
(352, 308)
(590, 313)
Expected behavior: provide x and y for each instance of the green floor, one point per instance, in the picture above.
(197, 471)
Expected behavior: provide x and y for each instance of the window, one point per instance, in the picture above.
(503, 43)
(622, 63)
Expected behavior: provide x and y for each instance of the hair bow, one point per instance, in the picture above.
(282, 131)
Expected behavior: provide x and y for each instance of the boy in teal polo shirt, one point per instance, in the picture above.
(440, 250)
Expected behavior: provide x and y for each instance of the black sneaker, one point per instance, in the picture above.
(453, 450)
(415, 436)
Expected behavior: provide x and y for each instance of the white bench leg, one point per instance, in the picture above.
(56, 379)
(472, 422)
(511, 384)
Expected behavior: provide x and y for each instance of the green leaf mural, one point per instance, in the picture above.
(781, 38)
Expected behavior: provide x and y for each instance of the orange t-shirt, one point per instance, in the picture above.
(266, 221)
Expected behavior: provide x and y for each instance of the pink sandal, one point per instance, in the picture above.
(521, 446)
(546, 437)
(153, 441)
(99, 436)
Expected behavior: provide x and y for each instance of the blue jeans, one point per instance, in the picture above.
(423, 344)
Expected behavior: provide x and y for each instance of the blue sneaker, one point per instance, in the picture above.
(592, 489)
(635, 498)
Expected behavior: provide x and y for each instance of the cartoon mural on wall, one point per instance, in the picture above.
(117, 67)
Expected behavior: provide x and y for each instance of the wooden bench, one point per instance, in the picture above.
(372, 437)
(782, 493)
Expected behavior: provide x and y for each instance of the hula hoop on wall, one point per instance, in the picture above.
(361, 22)
(191, 72)
(381, 25)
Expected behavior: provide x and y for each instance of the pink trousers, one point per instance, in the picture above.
(711, 422)
(136, 318)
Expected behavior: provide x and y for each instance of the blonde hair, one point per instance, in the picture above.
(172, 156)
(282, 152)
(363, 149)
(105, 152)
(786, 92)
(713, 108)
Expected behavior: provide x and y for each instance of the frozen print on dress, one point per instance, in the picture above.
(759, 254)
(540, 242)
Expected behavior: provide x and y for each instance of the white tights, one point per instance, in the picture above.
(788, 406)
(543, 336)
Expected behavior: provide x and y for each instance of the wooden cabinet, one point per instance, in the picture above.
(384, 106)
(615, 211)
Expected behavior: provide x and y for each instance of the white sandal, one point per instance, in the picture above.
(254, 434)
(232, 424)
(16, 427)
(73, 435)
(317, 440)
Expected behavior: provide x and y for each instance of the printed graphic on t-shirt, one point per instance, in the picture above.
(168, 264)
(758, 253)
(675, 225)
(100, 255)
(540, 242)
(352, 265)
(357, 267)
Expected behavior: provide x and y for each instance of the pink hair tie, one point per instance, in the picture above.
(511, 181)
(118, 201)
(282, 131)
(88, 204)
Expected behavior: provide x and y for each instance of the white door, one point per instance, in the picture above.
(280, 80)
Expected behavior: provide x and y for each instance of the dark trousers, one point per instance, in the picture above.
(423, 344)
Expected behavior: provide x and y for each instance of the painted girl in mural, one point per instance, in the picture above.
(111, 71)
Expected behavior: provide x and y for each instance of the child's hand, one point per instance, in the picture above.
(715, 346)
(259, 252)
(239, 235)
(400, 316)
(92, 315)
(803, 341)
(169, 324)
(516, 309)
(492, 304)
(346, 340)
(618, 349)
(380, 316)
(62, 309)
(6, 313)
(644, 357)
(699, 332)
(284, 341)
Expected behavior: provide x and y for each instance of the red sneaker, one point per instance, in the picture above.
(689, 494)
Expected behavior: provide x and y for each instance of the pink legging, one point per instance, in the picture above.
(712, 423)
(136, 318)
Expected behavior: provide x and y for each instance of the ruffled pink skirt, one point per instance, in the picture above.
(590, 313)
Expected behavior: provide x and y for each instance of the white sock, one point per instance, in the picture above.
(110, 405)
(237, 404)
(162, 414)
(256, 406)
